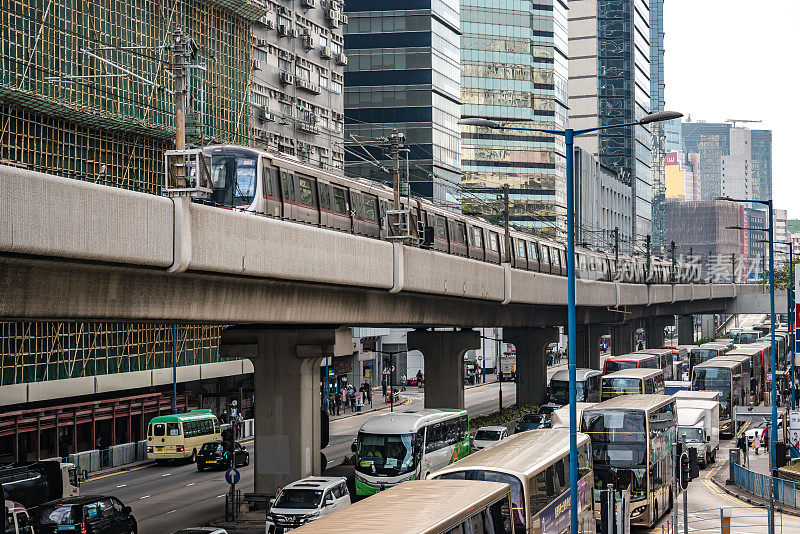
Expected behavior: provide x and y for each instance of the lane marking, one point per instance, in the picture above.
(122, 485)
(118, 473)
(173, 511)
(146, 496)
(193, 483)
(168, 474)
(218, 496)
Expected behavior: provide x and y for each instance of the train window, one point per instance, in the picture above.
(287, 179)
(245, 178)
(477, 237)
(459, 232)
(562, 254)
(532, 251)
(266, 182)
(369, 208)
(545, 254)
(441, 232)
(339, 202)
(494, 245)
(219, 172)
(520, 249)
(306, 191)
(324, 195)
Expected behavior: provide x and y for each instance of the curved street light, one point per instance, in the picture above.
(569, 135)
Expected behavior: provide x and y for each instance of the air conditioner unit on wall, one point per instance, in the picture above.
(341, 59)
(309, 3)
(283, 30)
(294, 32)
(256, 64)
(287, 78)
(325, 52)
(270, 24)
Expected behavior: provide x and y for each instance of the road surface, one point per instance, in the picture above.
(167, 498)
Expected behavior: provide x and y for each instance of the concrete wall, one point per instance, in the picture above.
(92, 385)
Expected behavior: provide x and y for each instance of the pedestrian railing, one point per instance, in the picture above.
(786, 491)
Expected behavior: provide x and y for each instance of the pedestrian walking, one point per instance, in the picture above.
(757, 442)
(419, 378)
(383, 385)
(331, 404)
(344, 400)
(359, 400)
(338, 400)
(403, 382)
(352, 398)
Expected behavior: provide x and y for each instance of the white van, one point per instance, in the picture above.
(306, 500)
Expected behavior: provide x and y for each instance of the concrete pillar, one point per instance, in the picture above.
(443, 354)
(593, 334)
(622, 338)
(685, 330)
(708, 327)
(287, 396)
(654, 332)
(531, 362)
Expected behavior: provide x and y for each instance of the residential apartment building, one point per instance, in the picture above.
(609, 83)
(113, 130)
(736, 167)
(514, 70)
(297, 101)
(403, 72)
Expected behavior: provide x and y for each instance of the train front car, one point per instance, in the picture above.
(235, 176)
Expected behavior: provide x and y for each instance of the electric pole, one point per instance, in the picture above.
(647, 264)
(505, 222)
(616, 246)
(733, 267)
(395, 140)
(672, 253)
(179, 71)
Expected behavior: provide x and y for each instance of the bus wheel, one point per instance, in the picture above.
(193, 459)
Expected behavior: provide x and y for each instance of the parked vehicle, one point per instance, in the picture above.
(212, 455)
(16, 519)
(532, 421)
(488, 435)
(306, 500)
(34, 483)
(698, 427)
(89, 514)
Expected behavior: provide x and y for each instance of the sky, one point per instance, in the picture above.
(736, 59)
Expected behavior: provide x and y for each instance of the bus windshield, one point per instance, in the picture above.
(748, 337)
(492, 476)
(715, 379)
(385, 454)
(613, 387)
(613, 366)
(619, 449)
(702, 355)
(559, 392)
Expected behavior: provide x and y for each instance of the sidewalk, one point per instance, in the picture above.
(759, 464)
(378, 403)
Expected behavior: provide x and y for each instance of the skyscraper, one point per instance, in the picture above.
(762, 162)
(609, 83)
(514, 71)
(403, 72)
(658, 129)
(711, 141)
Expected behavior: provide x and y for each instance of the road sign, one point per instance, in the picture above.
(232, 475)
(769, 377)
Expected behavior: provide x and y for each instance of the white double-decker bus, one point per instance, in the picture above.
(395, 447)
(632, 447)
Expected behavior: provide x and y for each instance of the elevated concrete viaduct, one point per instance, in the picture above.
(72, 250)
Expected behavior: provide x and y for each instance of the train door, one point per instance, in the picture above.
(271, 189)
(307, 208)
(440, 241)
(533, 257)
(325, 201)
(544, 258)
(492, 246)
(458, 238)
(520, 255)
(289, 195)
(371, 215)
(340, 208)
(475, 242)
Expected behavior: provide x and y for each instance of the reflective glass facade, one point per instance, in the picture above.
(403, 72)
(762, 163)
(711, 141)
(658, 129)
(623, 40)
(514, 70)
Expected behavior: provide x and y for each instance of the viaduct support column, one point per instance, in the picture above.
(622, 338)
(708, 327)
(587, 350)
(531, 362)
(443, 353)
(685, 330)
(654, 331)
(287, 396)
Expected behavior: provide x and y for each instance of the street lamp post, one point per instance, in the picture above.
(569, 135)
(774, 436)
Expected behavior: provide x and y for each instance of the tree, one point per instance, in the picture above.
(782, 280)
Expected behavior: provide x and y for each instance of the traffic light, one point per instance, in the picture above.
(228, 445)
(694, 466)
(685, 471)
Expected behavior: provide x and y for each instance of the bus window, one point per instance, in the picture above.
(159, 429)
(173, 429)
(649, 386)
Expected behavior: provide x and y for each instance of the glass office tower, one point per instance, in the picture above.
(403, 72)
(514, 70)
(624, 91)
(658, 129)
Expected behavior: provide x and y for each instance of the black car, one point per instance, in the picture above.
(89, 514)
(532, 421)
(211, 455)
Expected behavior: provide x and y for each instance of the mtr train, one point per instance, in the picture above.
(281, 186)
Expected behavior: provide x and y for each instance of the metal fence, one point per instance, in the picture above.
(786, 491)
